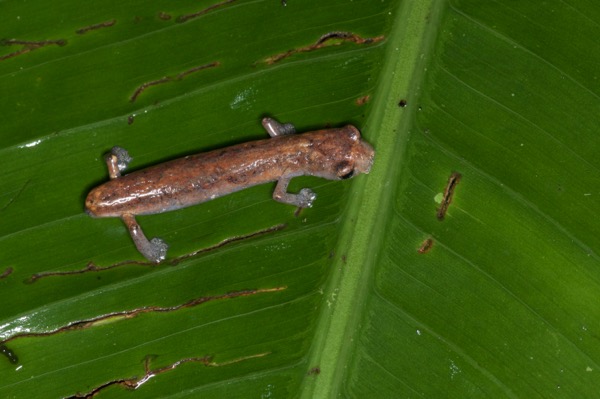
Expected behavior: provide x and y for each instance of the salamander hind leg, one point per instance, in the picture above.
(275, 128)
(154, 250)
(117, 160)
(304, 199)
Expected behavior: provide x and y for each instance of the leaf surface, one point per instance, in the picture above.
(255, 301)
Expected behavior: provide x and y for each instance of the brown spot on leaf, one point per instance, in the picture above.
(164, 16)
(426, 246)
(91, 267)
(137, 382)
(329, 39)
(105, 24)
(167, 79)
(363, 100)
(28, 46)
(453, 180)
(187, 17)
(127, 314)
(6, 273)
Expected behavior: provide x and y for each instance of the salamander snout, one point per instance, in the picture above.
(95, 206)
(364, 155)
(90, 206)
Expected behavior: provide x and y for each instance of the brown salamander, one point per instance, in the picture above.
(333, 154)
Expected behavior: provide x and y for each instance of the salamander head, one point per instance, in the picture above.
(362, 152)
(92, 206)
(353, 158)
(100, 202)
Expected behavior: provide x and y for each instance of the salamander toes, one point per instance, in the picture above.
(158, 250)
(306, 197)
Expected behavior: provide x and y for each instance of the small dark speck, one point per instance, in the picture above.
(130, 119)
(10, 355)
(402, 103)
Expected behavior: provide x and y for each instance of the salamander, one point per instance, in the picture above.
(334, 154)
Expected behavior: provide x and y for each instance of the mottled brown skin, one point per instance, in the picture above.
(331, 153)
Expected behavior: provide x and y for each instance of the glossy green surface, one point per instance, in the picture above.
(338, 302)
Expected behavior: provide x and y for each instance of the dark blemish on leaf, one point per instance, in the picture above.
(128, 314)
(29, 43)
(363, 100)
(453, 180)
(28, 46)
(347, 36)
(314, 371)
(137, 382)
(100, 25)
(344, 259)
(167, 79)
(328, 39)
(10, 355)
(187, 17)
(237, 360)
(425, 246)
(91, 267)
(402, 103)
(164, 16)
(196, 69)
(298, 211)
(16, 53)
(130, 119)
(144, 86)
(6, 273)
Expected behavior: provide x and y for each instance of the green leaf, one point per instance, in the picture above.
(255, 301)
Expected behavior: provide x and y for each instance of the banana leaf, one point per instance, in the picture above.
(466, 264)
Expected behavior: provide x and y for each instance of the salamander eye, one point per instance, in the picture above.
(347, 175)
(344, 170)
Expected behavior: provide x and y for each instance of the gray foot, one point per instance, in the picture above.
(157, 250)
(123, 157)
(306, 197)
(275, 128)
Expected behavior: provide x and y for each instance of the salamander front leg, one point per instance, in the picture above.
(275, 128)
(303, 199)
(154, 250)
(117, 160)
